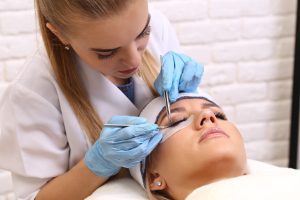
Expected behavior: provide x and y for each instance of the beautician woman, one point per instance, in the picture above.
(101, 60)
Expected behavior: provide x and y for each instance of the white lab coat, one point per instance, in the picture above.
(41, 137)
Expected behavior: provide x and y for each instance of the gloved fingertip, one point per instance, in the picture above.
(142, 119)
(150, 127)
(168, 54)
(172, 100)
(157, 132)
(155, 126)
(159, 135)
(200, 70)
(173, 96)
(125, 119)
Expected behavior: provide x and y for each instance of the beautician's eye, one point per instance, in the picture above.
(146, 32)
(106, 55)
(220, 115)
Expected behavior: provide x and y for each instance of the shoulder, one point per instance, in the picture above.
(36, 76)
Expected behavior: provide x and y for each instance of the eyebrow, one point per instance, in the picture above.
(114, 49)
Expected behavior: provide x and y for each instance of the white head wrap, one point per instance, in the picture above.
(150, 112)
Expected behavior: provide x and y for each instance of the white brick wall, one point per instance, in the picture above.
(246, 45)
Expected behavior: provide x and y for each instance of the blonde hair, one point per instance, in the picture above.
(63, 14)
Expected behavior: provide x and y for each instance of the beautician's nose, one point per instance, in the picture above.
(206, 118)
(131, 56)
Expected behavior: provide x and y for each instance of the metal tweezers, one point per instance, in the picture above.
(167, 100)
(127, 125)
(168, 110)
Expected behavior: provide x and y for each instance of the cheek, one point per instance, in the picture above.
(104, 66)
(236, 135)
(236, 141)
(173, 153)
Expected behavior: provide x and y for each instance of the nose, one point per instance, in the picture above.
(206, 118)
(131, 56)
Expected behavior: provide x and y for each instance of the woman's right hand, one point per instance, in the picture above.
(122, 147)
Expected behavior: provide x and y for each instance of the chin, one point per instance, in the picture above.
(218, 167)
(231, 165)
(225, 163)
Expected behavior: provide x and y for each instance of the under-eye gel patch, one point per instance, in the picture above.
(168, 132)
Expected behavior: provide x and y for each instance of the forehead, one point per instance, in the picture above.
(115, 30)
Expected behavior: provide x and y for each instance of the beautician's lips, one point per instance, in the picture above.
(129, 71)
(211, 133)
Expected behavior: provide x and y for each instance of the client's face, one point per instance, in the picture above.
(210, 148)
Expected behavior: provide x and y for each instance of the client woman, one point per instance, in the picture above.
(200, 147)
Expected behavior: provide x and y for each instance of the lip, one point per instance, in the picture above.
(129, 71)
(212, 133)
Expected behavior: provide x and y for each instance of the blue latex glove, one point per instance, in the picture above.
(122, 147)
(179, 73)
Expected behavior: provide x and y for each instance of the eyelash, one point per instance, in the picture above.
(218, 115)
(146, 32)
(106, 56)
(176, 123)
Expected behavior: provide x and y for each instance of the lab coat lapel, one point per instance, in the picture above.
(107, 98)
(142, 93)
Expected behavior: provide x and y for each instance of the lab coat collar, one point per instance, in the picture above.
(107, 98)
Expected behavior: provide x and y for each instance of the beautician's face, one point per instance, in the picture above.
(209, 149)
(114, 45)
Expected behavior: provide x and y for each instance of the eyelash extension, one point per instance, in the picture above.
(106, 56)
(220, 115)
(176, 123)
(145, 33)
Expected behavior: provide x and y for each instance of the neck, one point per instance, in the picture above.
(181, 191)
(118, 81)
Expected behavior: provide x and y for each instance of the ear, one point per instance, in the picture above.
(57, 33)
(156, 182)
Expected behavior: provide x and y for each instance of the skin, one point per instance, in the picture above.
(123, 31)
(126, 37)
(196, 163)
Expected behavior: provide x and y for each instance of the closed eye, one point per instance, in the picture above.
(177, 122)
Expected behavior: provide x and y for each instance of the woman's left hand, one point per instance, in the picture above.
(179, 73)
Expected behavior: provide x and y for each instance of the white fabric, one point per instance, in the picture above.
(5, 182)
(39, 129)
(120, 189)
(129, 190)
(280, 184)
